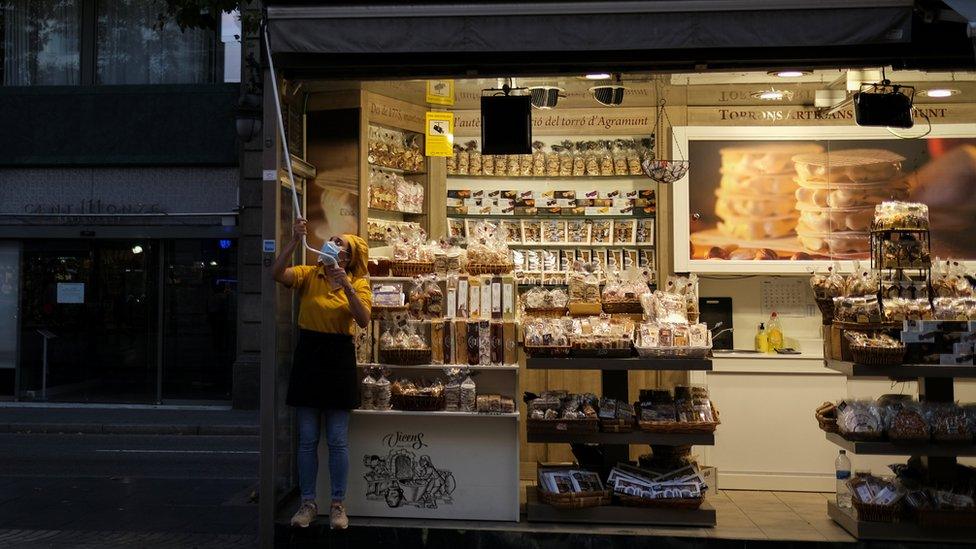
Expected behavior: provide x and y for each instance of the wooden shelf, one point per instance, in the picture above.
(545, 177)
(851, 369)
(608, 364)
(634, 437)
(897, 531)
(618, 514)
(540, 245)
(397, 171)
(886, 448)
(404, 413)
(505, 368)
(385, 211)
(549, 216)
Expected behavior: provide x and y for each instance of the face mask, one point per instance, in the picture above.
(330, 253)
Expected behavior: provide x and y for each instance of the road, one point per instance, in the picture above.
(127, 490)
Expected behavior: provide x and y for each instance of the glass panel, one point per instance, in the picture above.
(98, 301)
(40, 42)
(131, 50)
(200, 319)
(9, 313)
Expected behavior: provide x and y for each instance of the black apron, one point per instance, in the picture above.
(324, 372)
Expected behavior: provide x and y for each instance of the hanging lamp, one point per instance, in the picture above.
(665, 171)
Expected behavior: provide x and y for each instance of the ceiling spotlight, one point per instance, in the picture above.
(213, 263)
(137, 249)
(545, 97)
(772, 94)
(941, 92)
(792, 73)
(608, 96)
(598, 76)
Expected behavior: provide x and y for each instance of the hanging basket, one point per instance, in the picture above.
(665, 171)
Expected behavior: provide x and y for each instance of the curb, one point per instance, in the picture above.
(130, 429)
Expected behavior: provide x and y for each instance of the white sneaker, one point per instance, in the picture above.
(337, 517)
(305, 514)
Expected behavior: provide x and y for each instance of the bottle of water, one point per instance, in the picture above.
(842, 466)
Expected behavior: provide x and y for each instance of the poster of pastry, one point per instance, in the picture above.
(814, 199)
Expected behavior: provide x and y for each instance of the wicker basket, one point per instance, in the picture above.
(616, 425)
(826, 416)
(578, 500)
(489, 268)
(405, 357)
(418, 403)
(946, 518)
(682, 428)
(826, 307)
(550, 312)
(411, 268)
(670, 503)
(876, 513)
(618, 307)
(562, 426)
(547, 351)
(878, 356)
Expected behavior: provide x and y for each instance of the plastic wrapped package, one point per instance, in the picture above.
(468, 395)
(857, 309)
(381, 393)
(846, 167)
(901, 215)
(949, 423)
(858, 419)
(906, 422)
(367, 392)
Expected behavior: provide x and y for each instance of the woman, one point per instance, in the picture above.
(323, 379)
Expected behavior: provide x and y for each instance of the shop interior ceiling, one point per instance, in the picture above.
(643, 89)
(937, 37)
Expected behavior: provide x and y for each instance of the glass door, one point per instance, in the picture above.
(94, 303)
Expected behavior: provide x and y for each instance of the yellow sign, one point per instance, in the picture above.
(440, 133)
(440, 92)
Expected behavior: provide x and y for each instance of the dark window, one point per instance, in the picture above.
(40, 42)
(132, 50)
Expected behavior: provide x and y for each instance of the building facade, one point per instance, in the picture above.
(120, 201)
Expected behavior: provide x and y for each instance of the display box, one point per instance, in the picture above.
(578, 231)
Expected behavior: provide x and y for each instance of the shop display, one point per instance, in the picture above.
(602, 336)
(948, 503)
(378, 229)
(607, 158)
(540, 301)
(899, 420)
(375, 390)
(892, 215)
(397, 149)
(687, 410)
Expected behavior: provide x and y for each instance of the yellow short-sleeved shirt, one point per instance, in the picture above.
(323, 309)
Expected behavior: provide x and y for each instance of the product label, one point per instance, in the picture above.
(451, 302)
(843, 475)
(496, 297)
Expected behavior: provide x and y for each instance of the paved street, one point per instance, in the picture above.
(84, 490)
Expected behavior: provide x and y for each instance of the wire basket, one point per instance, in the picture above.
(665, 171)
(411, 268)
(547, 351)
(674, 352)
(616, 425)
(870, 512)
(574, 500)
(405, 357)
(562, 426)
(878, 356)
(418, 403)
(826, 306)
(826, 416)
(681, 427)
(621, 307)
(547, 312)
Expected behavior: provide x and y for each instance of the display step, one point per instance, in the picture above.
(628, 363)
(887, 448)
(851, 369)
(618, 514)
(634, 437)
(897, 531)
(504, 368)
(439, 413)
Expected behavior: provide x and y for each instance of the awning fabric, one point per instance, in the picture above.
(485, 27)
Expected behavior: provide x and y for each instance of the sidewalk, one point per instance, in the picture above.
(127, 421)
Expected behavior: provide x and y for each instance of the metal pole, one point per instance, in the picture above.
(284, 138)
(160, 303)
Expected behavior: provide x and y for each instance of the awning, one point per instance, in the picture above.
(586, 26)
(445, 34)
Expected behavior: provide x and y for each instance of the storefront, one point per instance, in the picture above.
(582, 195)
(119, 295)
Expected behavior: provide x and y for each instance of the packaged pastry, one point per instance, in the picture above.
(366, 392)
(467, 401)
(474, 158)
(949, 423)
(381, 392)
(859, 420)
(452, 390)
(538, 159)
(645, 231)
(601, 231)
(890, 215)
(624, 231)
(906, 422)
(857, 309)
(577, 231)
(554, 231)
(531, 231)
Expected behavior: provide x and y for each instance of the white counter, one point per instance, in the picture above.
(769, 439)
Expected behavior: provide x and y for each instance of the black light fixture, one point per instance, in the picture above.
(610, 95)
(545, 97)
(884, 104)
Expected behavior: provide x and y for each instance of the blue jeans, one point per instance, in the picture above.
(337, 433)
